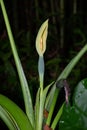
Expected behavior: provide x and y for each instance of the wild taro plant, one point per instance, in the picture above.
(39, 115)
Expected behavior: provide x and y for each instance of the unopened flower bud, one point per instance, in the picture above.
(41, 38)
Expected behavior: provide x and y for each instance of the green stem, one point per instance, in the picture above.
(41, 78)
(40, 114)
(41, 71)
(23, 81)
(55, 122)
(52, 106)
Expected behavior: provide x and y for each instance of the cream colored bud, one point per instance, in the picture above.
(41, 38)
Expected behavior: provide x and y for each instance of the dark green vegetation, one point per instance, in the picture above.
(75, 116)
(67, 35)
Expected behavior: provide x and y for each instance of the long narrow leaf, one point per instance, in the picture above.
(37, 106)
(42, 103)
(65, 73)
(23, 81)
(49, 98)
(7, 118)
(52, 106)
(15, 113)
(56, 119)
(72, 63)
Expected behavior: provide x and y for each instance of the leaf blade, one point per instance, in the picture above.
(19, 116)
(42, 103)
(23, 80)
(12, 125)
(65, 73)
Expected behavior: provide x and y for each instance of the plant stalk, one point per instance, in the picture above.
(23, 81)
(52, 107)
(56, 120)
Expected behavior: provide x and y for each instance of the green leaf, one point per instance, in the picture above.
(42, 103)
(13, 114)
(8, 119)
(80, 96)
(70, 119)
(37, 106)
(57, 118)
(50, 98)
(23, 81)
(65, 73)
(75, 116)
(72, 63)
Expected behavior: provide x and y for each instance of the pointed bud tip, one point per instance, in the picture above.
(41, 38)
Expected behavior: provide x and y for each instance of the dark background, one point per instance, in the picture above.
(67, 35)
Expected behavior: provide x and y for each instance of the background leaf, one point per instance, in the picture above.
(75, 116)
